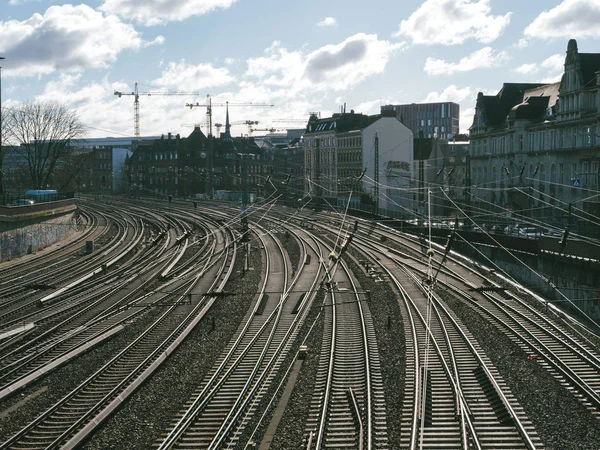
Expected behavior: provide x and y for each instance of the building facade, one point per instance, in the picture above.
(435, 120)
(534, 147)
(364, 160)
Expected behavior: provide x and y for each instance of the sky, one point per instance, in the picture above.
(300, 56)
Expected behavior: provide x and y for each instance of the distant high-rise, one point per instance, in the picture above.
(434, 119)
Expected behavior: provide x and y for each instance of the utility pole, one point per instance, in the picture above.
(210, 169)
(376, 189)
(1, 158)
(468, 180)
(421, 172)
(318, 190)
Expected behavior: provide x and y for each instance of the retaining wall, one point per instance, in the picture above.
(26, 229)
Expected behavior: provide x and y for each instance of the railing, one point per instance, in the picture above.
(28, 200)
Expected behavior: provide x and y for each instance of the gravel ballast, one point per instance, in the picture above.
(149, 412)
(562, 422)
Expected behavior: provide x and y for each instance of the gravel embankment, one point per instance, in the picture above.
(561, 421)
(27, 405)
(148, 413)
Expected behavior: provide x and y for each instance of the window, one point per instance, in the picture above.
(512, 143)
(588, 137)
(520, 142)
(561, 173)
(586, 172)
(561, 134)
(531, 142)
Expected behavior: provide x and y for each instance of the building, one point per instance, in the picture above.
(364, 160)
(440, 166)
(435, 120)
(288, 170)
(534, 147)
(197, 165)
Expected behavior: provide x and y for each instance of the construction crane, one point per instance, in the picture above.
(195, 125)
(289, 120)
(270, 130)
(248, 123)
(136, 103)
(209, 105)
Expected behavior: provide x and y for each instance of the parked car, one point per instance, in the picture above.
(530, 232)
(482, 227)
(512, 229)
(553, 233)
(498, 229)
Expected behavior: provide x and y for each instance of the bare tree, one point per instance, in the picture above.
(44, 135)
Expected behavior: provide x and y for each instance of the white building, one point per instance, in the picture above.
(395, 142)
(339, 148)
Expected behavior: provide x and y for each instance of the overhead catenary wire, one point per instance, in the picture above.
(539, 275)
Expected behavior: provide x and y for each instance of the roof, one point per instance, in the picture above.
(590, 64)
(548, 90)
(536, 102)
(338, 123)
(497, 107)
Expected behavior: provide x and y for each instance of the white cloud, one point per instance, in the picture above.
(181, 76)
(451, 22)
(466, 119)
(66, 38)
(20, 2)
(527, 68)
(369, 107)
(450, 94)
(483, 58)
(552, 67)
(157, 12)
(344, 65)
(328, 22)
(569, 19)
(332, 67)
(521, 43)
(554, 63)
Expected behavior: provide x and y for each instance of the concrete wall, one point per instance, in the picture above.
(18, 238)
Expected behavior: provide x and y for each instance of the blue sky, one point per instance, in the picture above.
(302, 56)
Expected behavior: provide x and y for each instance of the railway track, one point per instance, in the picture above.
(98, 320)
(217, 415)
(348, 404)
(70, 420)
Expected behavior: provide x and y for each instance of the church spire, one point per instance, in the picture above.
(227, 136)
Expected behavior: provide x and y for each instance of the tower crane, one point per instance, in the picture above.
(270, 130)
(248, 123)
(289, 120)
(136, 103)
(209, 105)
